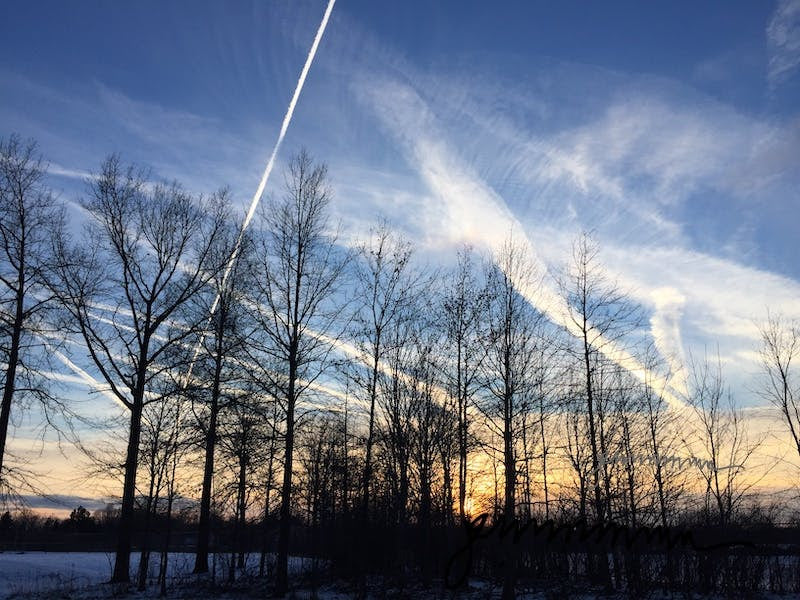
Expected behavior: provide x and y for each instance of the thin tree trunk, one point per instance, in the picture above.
(544, 458)
(144, 557)
(462, 436)
(165, 550)
(267, 497)
(282, 574)
(11, 369)
(373, 392)
(204, 523)
(240, 511)
(123, 557)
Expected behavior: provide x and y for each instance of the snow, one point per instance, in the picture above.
(30, 573)
(83, 575)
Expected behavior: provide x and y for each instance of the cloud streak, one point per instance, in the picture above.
(477, 214)
(287, 119)
(783, 42)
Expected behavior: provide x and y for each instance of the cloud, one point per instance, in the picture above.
(62, 502)
(783, 42)
(665, 326)
(679, 187)
(475, 212)
(78, 126)
(59, 171)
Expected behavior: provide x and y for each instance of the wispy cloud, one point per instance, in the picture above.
(476, 213)
(59, 171)
(645, 165)
(783, 41)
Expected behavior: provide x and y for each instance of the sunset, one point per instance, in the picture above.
(333, 299)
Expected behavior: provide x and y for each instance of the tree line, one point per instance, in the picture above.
(350, 401)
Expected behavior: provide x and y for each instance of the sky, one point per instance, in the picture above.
(669, 129)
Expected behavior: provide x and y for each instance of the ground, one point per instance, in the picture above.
(84, 576)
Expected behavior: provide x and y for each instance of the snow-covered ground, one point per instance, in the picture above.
(23, 573)
(82, 575)
(39, 571)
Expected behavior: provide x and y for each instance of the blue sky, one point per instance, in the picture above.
(672, 129)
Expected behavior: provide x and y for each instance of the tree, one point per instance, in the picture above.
(600, 316)
(27, 215)
(145, 254)
(229, 327)
(510, 351)
(662, 438)
(427, 428)
(393, 423)
(239, 440)
(383, 276)
(720, 440)
(780, 348)
(81, 519)
(155, 449)
(463, 310)
(300, 268)
(177, 446)
(546, 381)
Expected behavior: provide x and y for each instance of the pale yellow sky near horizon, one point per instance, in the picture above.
(773, 469)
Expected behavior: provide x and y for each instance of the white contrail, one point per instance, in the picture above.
(90, 381)
(270, 163)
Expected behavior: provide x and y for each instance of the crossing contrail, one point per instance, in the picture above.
(265, 177)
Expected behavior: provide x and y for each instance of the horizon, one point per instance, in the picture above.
(661, 141)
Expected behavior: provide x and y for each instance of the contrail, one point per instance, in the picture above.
(267, 170)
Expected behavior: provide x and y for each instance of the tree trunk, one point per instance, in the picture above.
(267, 497)
(11, 369)
(462, 438)
(282, 568)
(123, 557)
(204, 524)
(240, 510)
(162, 575)
(602, 559)
(371, 432)
(144, 558)
(544, 459)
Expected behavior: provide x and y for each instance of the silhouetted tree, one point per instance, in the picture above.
(780, 353)
(28, 215)
(145, 253)
(300, 270)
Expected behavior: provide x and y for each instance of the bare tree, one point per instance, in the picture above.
(384, 278)
(178, 446)
(510, 345)
(600, 316)
(548, 371)
(395, 416)
(463, 310)
(266, 476)
(510, 351)
(27, 215)
(145, 254)
(240, 436)
(426, 425)
(578, 457)
(662, 439)
(298, 308)
(719, 440)
(217, 371)
(156, 447)
(780, 347)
